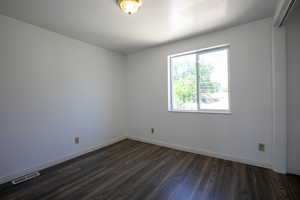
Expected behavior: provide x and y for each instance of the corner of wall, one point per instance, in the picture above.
(279, 96)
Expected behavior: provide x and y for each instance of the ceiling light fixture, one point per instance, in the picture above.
(130, 6)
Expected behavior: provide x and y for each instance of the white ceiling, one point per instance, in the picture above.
(102, 23)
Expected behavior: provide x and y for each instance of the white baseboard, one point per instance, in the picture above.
(280, 171)
(294, 171)
(146, 140)
(8, 178)
(203, 152)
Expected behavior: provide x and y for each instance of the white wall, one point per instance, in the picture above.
(52, 89)
(279, 99)
(234, 136)
(293, 56)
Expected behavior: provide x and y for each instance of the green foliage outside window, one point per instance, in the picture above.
(185, 82)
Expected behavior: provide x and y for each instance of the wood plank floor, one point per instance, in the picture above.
(138, 171)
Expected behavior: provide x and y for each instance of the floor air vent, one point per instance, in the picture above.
(25, 178)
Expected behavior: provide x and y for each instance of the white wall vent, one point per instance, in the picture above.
(25, 178)
(282, 12)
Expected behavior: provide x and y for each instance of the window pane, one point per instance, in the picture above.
(184, 82)
(213, 80)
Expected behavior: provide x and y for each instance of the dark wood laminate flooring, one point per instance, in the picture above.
(138, 171)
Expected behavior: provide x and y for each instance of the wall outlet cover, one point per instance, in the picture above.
(262, 147)
(152, 130)
(76, 140)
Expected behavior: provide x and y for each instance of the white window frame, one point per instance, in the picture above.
(170, 81)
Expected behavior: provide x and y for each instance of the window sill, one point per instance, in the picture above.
(222, 112)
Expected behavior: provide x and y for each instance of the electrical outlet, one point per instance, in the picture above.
(152, 131)
(76, 140)
(261, 147)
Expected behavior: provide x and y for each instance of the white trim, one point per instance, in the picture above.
(203, 152)
(282, 12)
(294, 171)
(198, 85)
(10, 177)
(225, 112)
(279, 101)
(199, 52)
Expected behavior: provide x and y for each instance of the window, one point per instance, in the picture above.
(199, 81)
